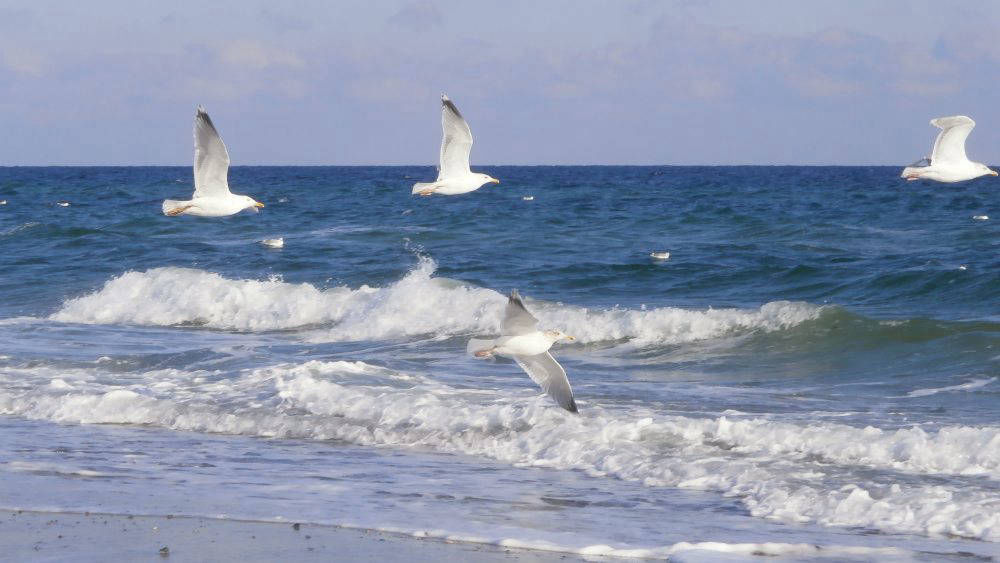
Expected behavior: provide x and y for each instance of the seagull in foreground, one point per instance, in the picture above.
(212, 197)
(454, 176)
(947, 162)
(522, 341)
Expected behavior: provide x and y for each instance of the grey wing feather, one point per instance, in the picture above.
(211, 159)
(949, 146)
(516, 318)
(456, 142)
(546, 372)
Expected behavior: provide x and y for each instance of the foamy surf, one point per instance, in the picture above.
(417, 305)
(788, 471)
(968, 386)
(680, 551)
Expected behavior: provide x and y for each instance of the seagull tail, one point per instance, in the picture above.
(173, 207)
(479, 345)
(424, 188)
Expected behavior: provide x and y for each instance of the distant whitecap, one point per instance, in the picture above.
(528, 198)
(981, 217)
(62, 203)
(659, 255)
(3, 202)
(274, 242)
(963, 267)
(282, 200)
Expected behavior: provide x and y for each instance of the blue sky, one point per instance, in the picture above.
(552, 82)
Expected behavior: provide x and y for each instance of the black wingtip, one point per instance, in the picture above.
(571, 407)
(203, 116)
(446, 102)
(515, 297)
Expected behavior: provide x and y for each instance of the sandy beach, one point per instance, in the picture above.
(68, 536)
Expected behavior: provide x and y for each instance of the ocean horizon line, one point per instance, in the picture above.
(748, 165)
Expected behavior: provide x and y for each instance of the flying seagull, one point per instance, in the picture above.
(521, 340)
(454, 176)
(212, 197)
(947, 162)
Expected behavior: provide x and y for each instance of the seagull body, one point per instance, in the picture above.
(530, 344)
(948, 162)
(212, 197)
(521, 341)
(454, 175)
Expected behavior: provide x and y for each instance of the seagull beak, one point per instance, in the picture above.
(258, 204)
(495, 181)
(994, 172)
(570, 338)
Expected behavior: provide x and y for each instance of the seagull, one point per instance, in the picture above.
(454, 176)
(212, 197)
(522, 341)
(948, 162)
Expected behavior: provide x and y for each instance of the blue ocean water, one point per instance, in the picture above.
(815, 366)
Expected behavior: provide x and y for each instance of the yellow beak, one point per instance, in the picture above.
(495, 181)
(994, 172)
(258, 204)
(570, 338)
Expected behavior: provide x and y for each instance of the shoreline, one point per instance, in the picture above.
(29, 535)
(36, 535)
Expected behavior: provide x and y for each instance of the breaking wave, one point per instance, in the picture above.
(418, 304)
(790, 471)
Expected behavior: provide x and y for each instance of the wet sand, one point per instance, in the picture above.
(61, 536)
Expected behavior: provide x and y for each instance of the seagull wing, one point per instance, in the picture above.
(456, 142)
(949, 147)
(211, 159)
(517, 319)
(546, 371)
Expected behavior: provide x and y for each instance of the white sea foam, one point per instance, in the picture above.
(418, 304)
(681, 551)
(974, 384)
(817, 472)
(18, 228)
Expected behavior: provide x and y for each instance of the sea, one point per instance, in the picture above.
(812, 373)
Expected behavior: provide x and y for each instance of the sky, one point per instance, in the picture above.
(540, 82)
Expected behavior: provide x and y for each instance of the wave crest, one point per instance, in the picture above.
(418, 304)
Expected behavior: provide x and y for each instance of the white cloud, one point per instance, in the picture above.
(417, 16)
(23, 61)
(256, 55)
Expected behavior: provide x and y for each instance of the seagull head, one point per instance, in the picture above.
(251, 203)
(557, 335)
(487, 179)
(987, 170)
